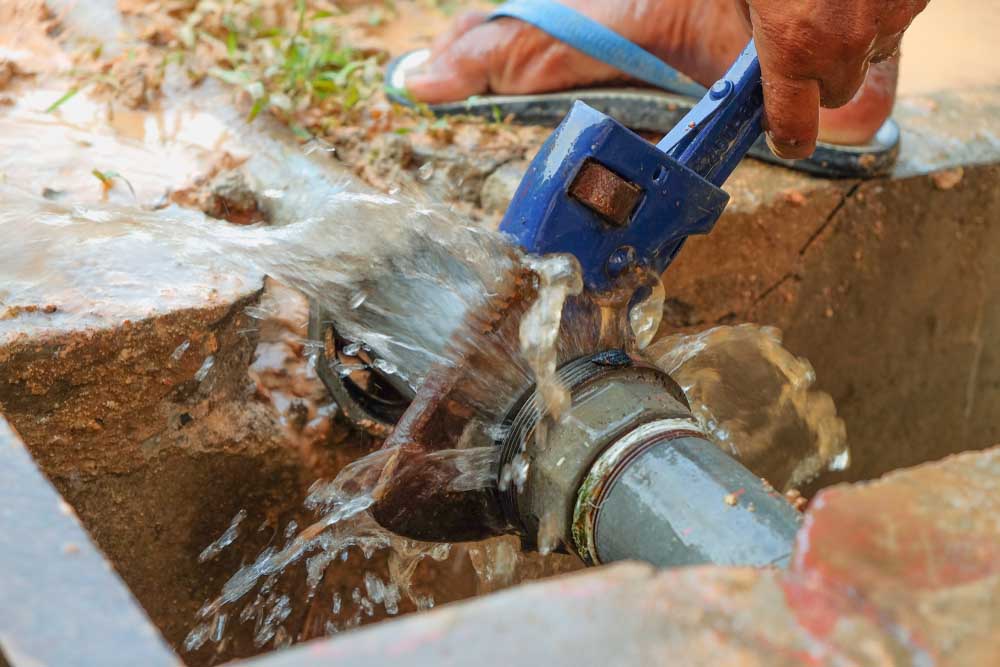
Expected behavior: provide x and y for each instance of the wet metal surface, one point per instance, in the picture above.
(60, 601)
(684, 501)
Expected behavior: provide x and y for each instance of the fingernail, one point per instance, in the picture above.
(787, 150)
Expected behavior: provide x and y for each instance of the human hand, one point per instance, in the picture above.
(817, 53)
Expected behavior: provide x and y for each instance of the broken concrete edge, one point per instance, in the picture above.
(71, 395)
(878, 579)
(154, 432)
(62, 598)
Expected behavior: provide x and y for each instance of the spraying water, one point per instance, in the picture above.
(419, 270)
(401, 276)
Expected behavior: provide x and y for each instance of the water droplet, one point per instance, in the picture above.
(352, 349)
(203, 371)
(841, 460)
(224, 540)
(645, 316)
(358, 299)
(343, 370)
(290, 529)
(316, 144)
(281, 638)
(180, 350)
(197, 637)
(386, 367)
(219, 628)
(548, 533)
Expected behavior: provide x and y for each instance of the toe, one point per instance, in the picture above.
(459, 69)
(459, 27)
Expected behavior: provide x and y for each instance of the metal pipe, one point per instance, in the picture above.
(673, 498)
(628, 473)
(625, 473)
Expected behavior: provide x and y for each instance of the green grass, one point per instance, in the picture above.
(65, 97)
(287, 70)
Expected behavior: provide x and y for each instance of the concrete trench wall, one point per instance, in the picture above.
(889, 288)
(886, 286)
(154, 462)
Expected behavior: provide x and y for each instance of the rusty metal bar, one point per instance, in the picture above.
(61, 603)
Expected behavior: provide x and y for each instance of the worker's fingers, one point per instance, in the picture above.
(857, 122)
(459, 27)
(461, 69)
(897, 15)
(838, 86)
(743, 9)
(819, 52)
(886, 48)
(791, 114)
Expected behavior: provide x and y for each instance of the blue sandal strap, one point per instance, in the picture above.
(599, 42)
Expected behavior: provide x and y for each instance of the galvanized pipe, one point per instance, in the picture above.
(628, 473)
(669, 497)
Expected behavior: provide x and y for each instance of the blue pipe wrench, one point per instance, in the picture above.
(617, 202)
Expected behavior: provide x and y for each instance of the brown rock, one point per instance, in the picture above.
(947, 178)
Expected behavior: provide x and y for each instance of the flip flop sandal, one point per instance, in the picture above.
(655, 109)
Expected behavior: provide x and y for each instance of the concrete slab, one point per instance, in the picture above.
(125, 348)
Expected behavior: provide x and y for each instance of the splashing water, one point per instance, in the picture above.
(227, 538)
(559, 278)
(757, 401)
(400, 276)
(343, 524)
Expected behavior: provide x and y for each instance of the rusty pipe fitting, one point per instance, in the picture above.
(627, 473)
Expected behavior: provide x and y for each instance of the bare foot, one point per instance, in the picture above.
(698, 37)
